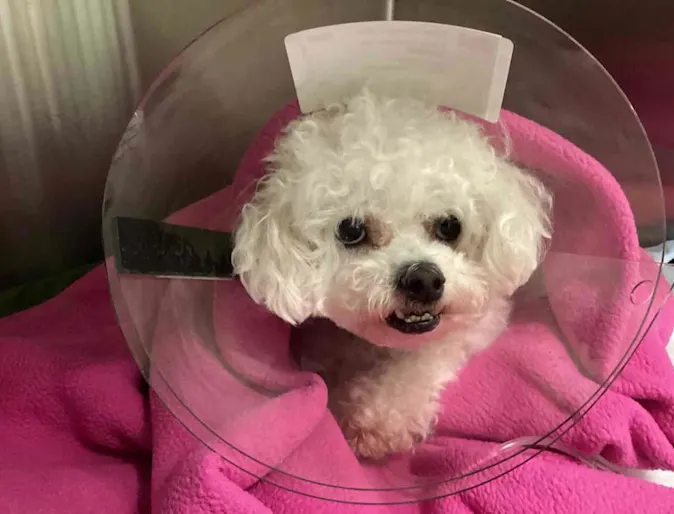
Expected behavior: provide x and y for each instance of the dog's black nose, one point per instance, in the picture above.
(421, 282)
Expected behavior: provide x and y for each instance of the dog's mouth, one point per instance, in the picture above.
(413, 321)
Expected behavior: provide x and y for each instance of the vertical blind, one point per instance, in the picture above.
(68, 84)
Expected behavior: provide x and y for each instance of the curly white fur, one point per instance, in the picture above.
(400, 164)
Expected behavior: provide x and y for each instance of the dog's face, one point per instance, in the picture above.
(394, 220)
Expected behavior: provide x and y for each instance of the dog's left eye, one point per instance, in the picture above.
(448, 229)
(351, 231)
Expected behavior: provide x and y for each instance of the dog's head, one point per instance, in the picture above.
(397, 221)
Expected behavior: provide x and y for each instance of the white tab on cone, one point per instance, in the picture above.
(456, 67)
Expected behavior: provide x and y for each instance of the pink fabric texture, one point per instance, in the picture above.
(79, 433)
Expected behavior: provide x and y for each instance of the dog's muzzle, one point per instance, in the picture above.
(420, 286)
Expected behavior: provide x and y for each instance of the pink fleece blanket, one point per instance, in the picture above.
(80, 434)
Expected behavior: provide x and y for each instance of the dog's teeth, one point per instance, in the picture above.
(413, 318)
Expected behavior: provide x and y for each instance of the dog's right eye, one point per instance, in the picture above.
(351, 231)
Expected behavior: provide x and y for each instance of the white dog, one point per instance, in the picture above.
(399, 223)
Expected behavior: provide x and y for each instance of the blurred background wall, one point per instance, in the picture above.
(71, 72)
(634, 40)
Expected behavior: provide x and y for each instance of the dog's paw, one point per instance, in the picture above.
(375, 435)
(376, 444)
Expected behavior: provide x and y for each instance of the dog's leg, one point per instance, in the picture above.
(393, 406)
(386, 400)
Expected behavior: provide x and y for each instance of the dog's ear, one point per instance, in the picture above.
(520, 228)
(271, 257)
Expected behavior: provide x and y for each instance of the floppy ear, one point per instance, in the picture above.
(519, 230)
(271, 257)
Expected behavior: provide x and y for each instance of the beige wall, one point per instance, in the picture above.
(163, 28)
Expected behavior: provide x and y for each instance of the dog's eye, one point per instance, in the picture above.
(448, 229)
(351, 231)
